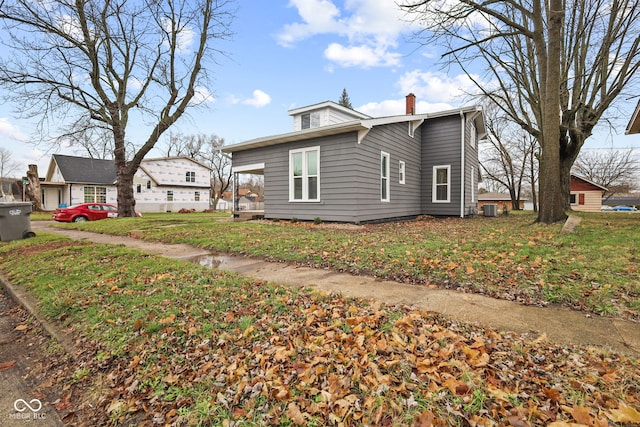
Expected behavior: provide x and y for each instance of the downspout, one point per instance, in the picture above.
(462, 164)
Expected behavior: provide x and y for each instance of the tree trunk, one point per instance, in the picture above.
(124, 174)
(33, 190)
(551, 199)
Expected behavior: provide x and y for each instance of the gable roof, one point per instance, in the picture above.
(84, 170)
(591, 183)
(362, 126)
(329, 104)
(634, 123)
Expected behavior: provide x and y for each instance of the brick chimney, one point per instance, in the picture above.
(411, 104)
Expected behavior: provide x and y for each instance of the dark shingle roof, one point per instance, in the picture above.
(84, 170)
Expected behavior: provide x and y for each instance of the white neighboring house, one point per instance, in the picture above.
(165, 184)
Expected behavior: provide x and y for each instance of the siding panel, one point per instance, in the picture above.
(441, 146)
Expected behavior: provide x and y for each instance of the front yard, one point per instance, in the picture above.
(167, 342)
(164, 342)
(509, 257)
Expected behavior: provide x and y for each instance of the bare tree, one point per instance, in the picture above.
(617, 170)
(111, 64)
(207, 150)
(555, 68)
(506, 155)
(7, 168)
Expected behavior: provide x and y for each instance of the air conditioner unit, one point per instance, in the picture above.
(490, 210)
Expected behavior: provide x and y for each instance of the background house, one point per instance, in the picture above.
(586, 196)
(341, 165)
(500, 199)
(160, 185)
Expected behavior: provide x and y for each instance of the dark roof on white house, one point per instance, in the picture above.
(85, 170)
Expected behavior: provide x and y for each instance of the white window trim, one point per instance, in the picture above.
(305, 195)
(387, 156)
(434, 188)
(402, 172)
(473, 184)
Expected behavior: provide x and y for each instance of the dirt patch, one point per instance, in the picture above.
(33, 370)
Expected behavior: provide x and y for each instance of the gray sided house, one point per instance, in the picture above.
(341, 165)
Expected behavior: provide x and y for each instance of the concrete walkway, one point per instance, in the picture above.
(560, 325)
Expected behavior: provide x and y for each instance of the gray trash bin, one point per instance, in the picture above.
(15, 221)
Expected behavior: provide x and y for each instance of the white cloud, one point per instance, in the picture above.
(361, 56)
(259, 99)
(318, 17)
(371, 28)
(184, 38)
(435, 91)
(396, 107)
(9, 130)
(437, 86)
(202, 95)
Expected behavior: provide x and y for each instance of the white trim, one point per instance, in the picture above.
(304, 177)
(387, 156)
(434, 184)
(463, 171)
(402, 172)
(248, 168)
(473, 184)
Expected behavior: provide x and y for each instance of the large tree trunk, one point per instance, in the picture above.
(33, 190)
(552, 205)
(124, 174)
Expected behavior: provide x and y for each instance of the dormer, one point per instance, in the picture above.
(324, 114)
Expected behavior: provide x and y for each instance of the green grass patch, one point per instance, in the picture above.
(181, 344)
(593, 269)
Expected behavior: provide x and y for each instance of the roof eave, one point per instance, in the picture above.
(267, 141)
(634, 124)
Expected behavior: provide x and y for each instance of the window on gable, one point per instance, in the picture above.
(441, 184)
(384, 176)
(148, 184)
(139, 188)
(304, 174)
(310, 120)
(401, 172)
(191, 177)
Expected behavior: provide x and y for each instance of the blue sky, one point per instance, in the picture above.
(291, 53)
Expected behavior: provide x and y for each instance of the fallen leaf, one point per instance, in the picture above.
(294, 413)
(6, 365)
(624, 414)
(21, 327)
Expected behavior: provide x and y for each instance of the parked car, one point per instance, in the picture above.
(606, 208)
(86, 212)
(622, 208)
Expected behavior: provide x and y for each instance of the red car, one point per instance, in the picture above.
(86, 212)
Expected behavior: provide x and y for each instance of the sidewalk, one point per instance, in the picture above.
(560, 325)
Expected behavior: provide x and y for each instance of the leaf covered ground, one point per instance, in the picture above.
(163, 342)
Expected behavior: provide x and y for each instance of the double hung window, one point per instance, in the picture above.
(304, 174)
